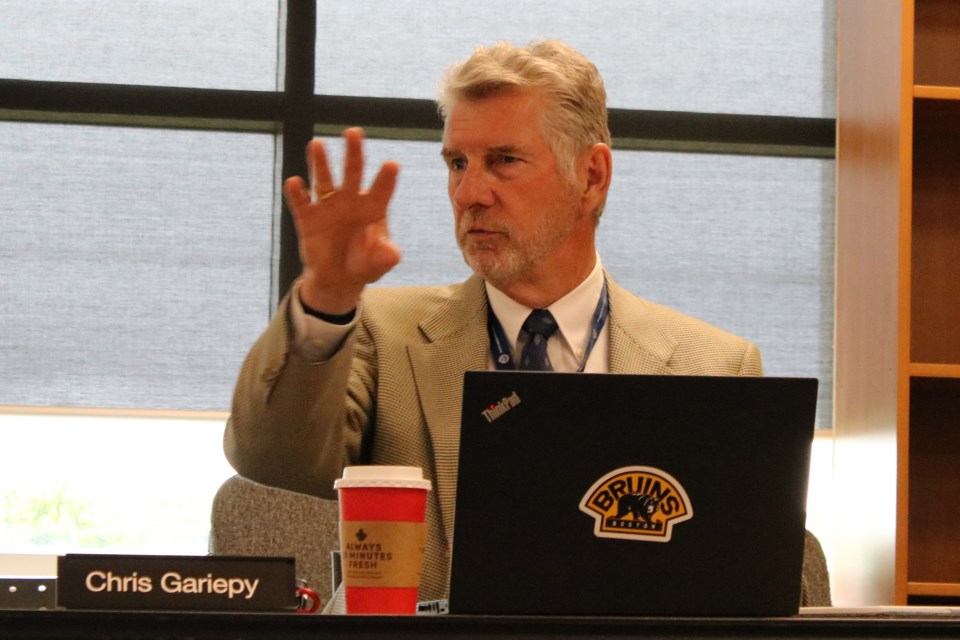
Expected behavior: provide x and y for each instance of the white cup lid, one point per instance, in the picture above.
(382, 476)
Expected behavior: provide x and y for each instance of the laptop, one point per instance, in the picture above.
(603, 494)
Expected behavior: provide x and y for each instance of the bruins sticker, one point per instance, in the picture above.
(637, 503)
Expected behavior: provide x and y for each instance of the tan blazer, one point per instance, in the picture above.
(401, 373)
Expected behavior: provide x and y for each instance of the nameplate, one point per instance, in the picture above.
(181, 583)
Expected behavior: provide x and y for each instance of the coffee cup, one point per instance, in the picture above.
(382, 537)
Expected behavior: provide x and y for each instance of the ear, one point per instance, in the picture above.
(595, 169)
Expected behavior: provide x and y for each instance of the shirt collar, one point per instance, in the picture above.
(573, 312)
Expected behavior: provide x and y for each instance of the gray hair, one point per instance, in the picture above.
(576, 117)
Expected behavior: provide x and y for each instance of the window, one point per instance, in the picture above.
(144, 245)
(733, 56)
(118, 241)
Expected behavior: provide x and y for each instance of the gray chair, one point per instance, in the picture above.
(815, 583)
(251, 519)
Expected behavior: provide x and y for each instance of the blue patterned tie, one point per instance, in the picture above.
(539, 326)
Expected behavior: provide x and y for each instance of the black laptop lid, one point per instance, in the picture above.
(601, 494)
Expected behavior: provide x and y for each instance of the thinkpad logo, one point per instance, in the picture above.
(637, 503)
(500, 408)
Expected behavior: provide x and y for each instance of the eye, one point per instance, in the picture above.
(456, 164)
(503, 159)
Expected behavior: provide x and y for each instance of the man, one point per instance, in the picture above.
(347, 375)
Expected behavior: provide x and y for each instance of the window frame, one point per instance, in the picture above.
(296, 113)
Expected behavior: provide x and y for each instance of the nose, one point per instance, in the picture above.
(471, 188)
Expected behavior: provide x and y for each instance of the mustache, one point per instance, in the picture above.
(476, 218)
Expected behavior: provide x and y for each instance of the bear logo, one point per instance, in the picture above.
(637, 503)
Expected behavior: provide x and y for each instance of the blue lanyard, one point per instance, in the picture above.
(500, 344)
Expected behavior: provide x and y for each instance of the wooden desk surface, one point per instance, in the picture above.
(102, 625)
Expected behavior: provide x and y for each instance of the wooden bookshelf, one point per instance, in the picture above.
(930, 430)
(914, 44)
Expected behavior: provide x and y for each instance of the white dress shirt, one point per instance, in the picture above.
(574, 315)
(316, 340)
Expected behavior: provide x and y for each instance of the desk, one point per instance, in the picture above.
(102, 625)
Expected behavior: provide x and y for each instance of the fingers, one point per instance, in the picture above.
(365, 206)
(353, 159)
(295, 192)
(384, 184)
(321, 180)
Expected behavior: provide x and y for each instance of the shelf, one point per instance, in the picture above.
(936, 92)
(934, 480)
(935, 52)
(933, 589)
(935, 233)
(929, 370)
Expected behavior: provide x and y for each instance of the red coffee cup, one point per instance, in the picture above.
(382, 537)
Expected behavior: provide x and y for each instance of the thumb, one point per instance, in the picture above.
(384, 256)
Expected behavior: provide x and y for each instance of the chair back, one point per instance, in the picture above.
(815, 586)
(251, 519)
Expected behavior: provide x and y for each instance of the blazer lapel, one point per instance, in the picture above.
(637, 342)
(455, 342)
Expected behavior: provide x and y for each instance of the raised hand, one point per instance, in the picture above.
(344, 241)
